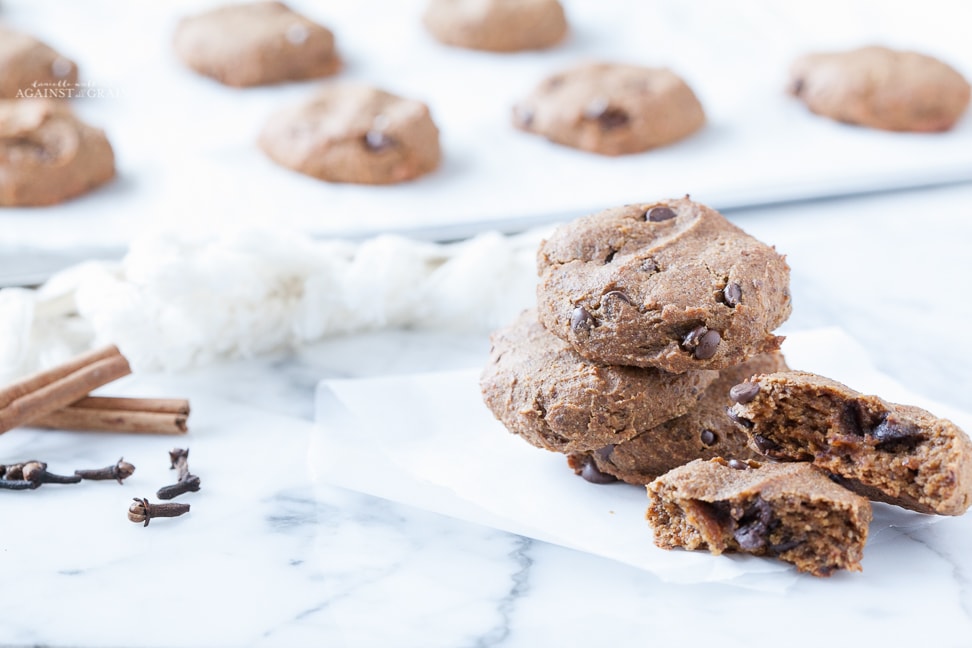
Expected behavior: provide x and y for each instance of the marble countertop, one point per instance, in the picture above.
(268, 555)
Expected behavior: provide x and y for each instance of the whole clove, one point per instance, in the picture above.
(186, 482)
(118, 471)
(142, 510)
(34, 473)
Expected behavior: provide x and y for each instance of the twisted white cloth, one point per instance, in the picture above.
(174, 302)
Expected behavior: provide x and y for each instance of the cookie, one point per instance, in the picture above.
(255, 44)
(789, 511)
(354, 133)
(890, 453)
(704, 432)
(47, 155)
(881, 88)
(30, 68)
(496, 25)
(541, 390)
(670, 284)
(611, 109)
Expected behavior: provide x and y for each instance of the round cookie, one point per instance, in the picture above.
(704, 432)
(255, 44)
(671, 285)
(543, 391)
(496, 25)
(354, 133)
(881, 88)
(47, 155)
(30, 68)
(611, 108)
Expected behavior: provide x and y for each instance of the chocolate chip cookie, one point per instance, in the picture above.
(704, 432)
(48, 155)
(789, 511)
(670, 284)
(354, 133)
(30, 68)
(611, 108)
(496, 25)
(892, 453)
(881, 88)
(540, 389)
(254, 44)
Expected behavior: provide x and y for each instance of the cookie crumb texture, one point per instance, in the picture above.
(27, 64)
(892, 453)
(788, 511)
(611, 108)
(704, 432)
(672, 285)
(257, 43)
(881, 88)
(540, 389)
(47, 155)
(496, 25)
(348, 132)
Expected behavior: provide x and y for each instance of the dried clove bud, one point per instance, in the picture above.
(142, 510)
(119, 471)
(186, 482)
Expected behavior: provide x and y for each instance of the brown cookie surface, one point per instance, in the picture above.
(540, 389)
(30, 68)
(671, 285)
(48, 155)
(496, 25)
(789, 511)
(704, 432)
(611, 108)
(881, 88)
(348, 132)
(254, 44)
(888, 452)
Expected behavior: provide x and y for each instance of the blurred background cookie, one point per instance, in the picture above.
(611, 108)
(496, 25)
(256, 44)
(881, 88)
(28, 67)
(348, 132)
(48, 155)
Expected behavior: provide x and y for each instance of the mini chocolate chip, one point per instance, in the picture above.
(738, 465)
(581, 320)
(607, 116)
(765, 445)
(378, 141)
(659, 214)
(891, 430)
(708, 344)
(736, 418)
(732, 293)
(649, 265)
(744, 392)
(593, 474)
(707, 437)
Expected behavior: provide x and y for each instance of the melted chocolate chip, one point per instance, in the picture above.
(753, 530)
(851, 418)
(377, 141)
(707, 437)
(581, 321)
(764, 445)
(744, 392)
(735, 464)
(659, 214)
(736, 418)
(732, 293)
(593, 474)
(891, 433)
(607, 116)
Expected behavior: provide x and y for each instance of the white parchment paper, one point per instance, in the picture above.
(428, 441)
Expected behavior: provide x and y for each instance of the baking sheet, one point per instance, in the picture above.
(428, 440)
(187, 157)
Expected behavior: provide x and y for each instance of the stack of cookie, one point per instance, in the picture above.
(647, 315)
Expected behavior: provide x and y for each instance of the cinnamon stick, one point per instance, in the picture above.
(50, 390)
(137, 415)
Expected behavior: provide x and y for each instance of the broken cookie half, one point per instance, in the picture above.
(891, 453)
(791, 511)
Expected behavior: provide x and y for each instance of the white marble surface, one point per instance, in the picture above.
(268, 557)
